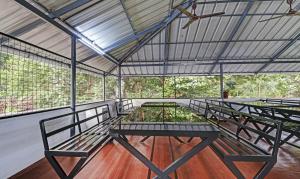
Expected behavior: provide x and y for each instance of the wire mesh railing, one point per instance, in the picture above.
(33, 78)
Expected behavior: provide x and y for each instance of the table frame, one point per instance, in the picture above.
(207, 137)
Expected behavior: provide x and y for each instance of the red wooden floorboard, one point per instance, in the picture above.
(114, 162)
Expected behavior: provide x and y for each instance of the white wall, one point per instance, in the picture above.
(21, 141)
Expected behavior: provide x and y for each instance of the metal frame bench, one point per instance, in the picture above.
(290, 119)
(198, 106)
(232, 147)
(207, 132)
(292, 102)
(124, 107)
(81, 136)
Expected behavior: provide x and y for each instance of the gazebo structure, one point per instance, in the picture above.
(65, 67)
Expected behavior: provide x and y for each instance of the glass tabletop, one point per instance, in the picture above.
(163, 114)
(159, 104)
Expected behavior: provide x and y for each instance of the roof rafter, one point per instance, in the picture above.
(233, 33)
(44, 14)
(280, 52)
(69, 7)
(157, 28)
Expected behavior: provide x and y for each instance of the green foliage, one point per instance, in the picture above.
(263, 85)
(111, 90)
(179, 87)
(31, 84)
(89, 87)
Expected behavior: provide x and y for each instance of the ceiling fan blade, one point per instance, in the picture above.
(211, 15)
(189, 23)
(184, 11)
(272, 18)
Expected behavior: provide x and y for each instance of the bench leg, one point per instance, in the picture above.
(59, 170)
(233, 168)
(145, 138)
(178, 139)
(55, 165)
(265, 170)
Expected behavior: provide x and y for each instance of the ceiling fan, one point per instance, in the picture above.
(193, 16)
(291, 12)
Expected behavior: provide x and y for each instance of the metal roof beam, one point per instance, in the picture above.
(211, 59)
(224, 41)
(69, 7)
(44, 14)
(206, 63)
(158, 28)
(232, 1)
(235, 15)
(280, 52)
(207, 74)
(233, 33)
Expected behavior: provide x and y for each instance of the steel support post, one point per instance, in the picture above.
(104, 86)
(73, 80)
(120, 83)
(221, 82)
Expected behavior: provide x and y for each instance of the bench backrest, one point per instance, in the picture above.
(124, 104)
(282, 101)
(237, 119)
(60, 128)
(197, 105)
(287, 116)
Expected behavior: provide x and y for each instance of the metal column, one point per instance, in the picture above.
(73, 80)
(120, 83)
(104, 86)
(221, 82)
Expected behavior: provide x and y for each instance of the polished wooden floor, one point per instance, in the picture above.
(114, 162)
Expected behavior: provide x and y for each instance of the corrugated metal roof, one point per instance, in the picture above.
(116, 25)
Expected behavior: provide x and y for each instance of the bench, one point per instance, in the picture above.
(232, 146)
(76, 134)
(124, 107)
(197, 106)
(292, 102)
(290, 119)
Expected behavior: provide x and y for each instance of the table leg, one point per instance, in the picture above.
(140, 156)
(183, 159)
(145, 138)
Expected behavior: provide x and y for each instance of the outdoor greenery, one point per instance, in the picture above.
(28, 85)
(32, 84)
(111, 88)
(89, 87)
(263, 85)
(163, 114)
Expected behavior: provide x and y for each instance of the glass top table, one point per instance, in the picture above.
(158, 113)
(168, 121)
(159, 104)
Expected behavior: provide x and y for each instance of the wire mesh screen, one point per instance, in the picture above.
(89, 85)
(31, 78)
(111, 87)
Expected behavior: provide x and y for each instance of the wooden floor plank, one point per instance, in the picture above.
(114, 162)
(162, 156)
